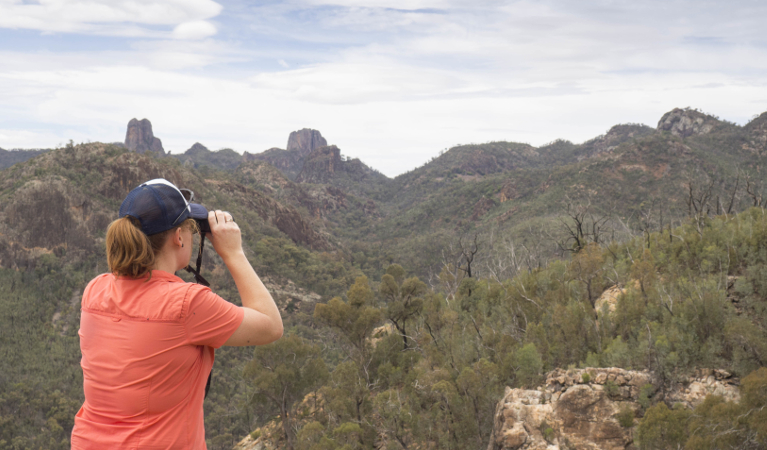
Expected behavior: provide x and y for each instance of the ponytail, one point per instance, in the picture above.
(132, 253)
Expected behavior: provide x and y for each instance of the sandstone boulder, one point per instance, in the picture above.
(609, 299)
(140, 139)
(579, 408)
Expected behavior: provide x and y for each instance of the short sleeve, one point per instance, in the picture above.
(210, 320)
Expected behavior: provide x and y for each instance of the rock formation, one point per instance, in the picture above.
(687, 122)
(580, 408)
(301, 143)
(305, 141)
(321, 165)
(140, 139)
(609, 299)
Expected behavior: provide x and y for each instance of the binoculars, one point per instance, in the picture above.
(204, 226)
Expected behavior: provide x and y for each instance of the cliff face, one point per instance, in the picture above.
(288, 162)
(140, 139)
(591, 408)
(321, 165)
(301, 143)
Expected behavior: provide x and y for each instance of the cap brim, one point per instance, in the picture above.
(198, 211)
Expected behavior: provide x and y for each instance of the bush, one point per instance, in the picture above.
(625, 417)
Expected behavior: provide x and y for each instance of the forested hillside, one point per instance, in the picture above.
(411, 303)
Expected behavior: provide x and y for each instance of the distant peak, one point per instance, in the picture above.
(197, 148)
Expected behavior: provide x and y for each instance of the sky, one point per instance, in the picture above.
(392, 82)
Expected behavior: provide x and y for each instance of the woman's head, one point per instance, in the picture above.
(150, 216)
(132, 253)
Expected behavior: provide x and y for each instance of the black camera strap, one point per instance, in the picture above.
(196, 272)
(201, 280)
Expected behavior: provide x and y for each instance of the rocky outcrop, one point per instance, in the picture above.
(481, 208)
(140, 139)
(321, 165)
(609, 299)
(285, 218)
(687, 122)
(592, 408)
(305, 140)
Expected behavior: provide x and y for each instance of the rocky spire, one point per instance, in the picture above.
(140, 139)
(305, 141)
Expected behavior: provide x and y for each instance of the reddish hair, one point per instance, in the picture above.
(132, 253)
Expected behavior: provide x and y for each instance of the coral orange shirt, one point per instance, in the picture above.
(148, 347)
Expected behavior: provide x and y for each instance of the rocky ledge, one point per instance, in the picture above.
(588, 408)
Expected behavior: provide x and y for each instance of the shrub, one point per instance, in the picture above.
(625, 417)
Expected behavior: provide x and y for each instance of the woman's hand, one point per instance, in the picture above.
(224, 234)
(261, 323)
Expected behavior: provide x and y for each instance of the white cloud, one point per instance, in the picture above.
(392, 4)
(389, 134)
(198, 29)
(93, 16)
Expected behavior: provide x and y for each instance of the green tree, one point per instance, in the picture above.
(282, 373)
(355, 319)
(528, 365)
(403, 299)
(663, 428)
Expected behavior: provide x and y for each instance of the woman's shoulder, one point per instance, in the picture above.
(99, 280)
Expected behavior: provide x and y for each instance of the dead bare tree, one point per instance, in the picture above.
(756, 194)
(699, 198)
(583, 226)
(458, 263)
(469, 248)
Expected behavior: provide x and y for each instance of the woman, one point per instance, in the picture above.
(148, 338)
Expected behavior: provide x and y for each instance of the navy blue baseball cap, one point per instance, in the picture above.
(159, 205)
